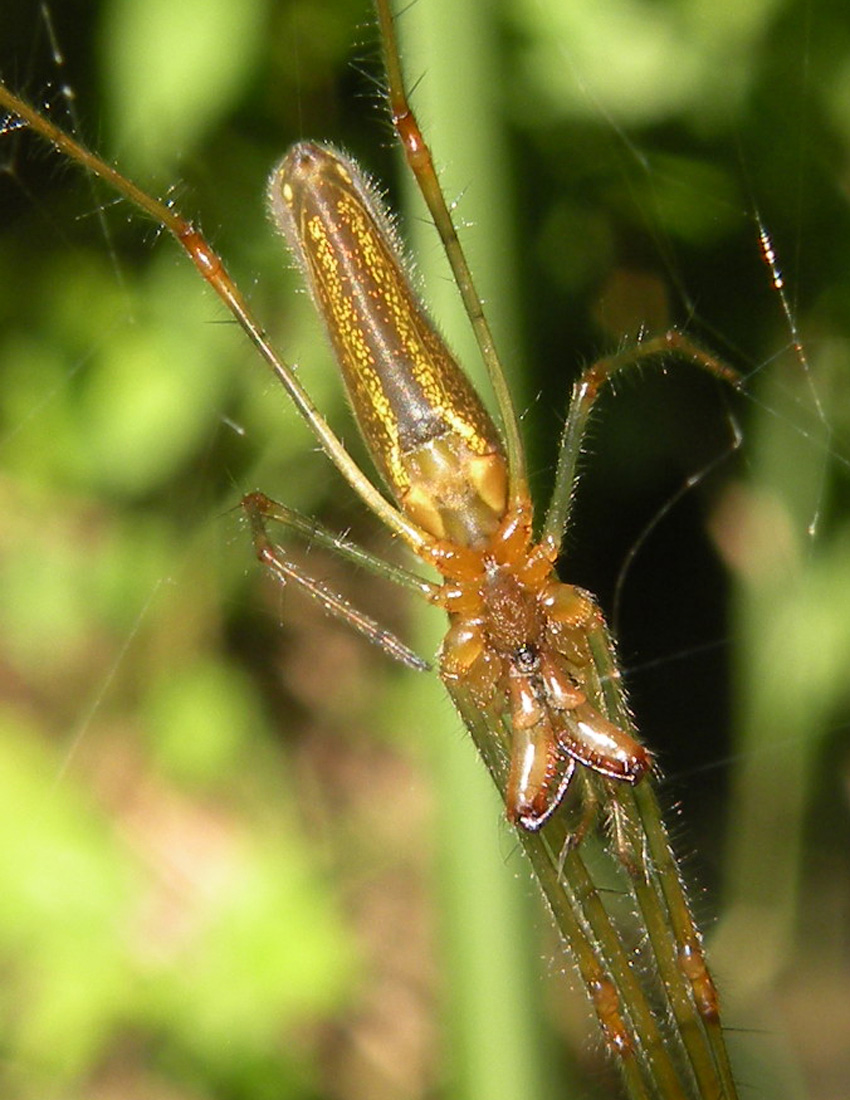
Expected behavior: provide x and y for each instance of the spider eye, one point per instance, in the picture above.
(527, 657)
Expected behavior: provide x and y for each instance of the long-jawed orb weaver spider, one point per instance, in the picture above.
(518, 640)
(527, 658)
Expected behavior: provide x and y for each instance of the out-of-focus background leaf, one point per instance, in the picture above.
(240, 854)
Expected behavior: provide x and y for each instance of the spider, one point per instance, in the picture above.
(526, 657)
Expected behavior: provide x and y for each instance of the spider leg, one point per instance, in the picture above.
(671, 345)
(261, 510)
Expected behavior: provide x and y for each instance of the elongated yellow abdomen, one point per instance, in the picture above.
(426, 428)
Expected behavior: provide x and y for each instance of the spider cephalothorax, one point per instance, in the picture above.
(518, 641)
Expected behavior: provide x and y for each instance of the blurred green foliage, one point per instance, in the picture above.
(221, 863)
